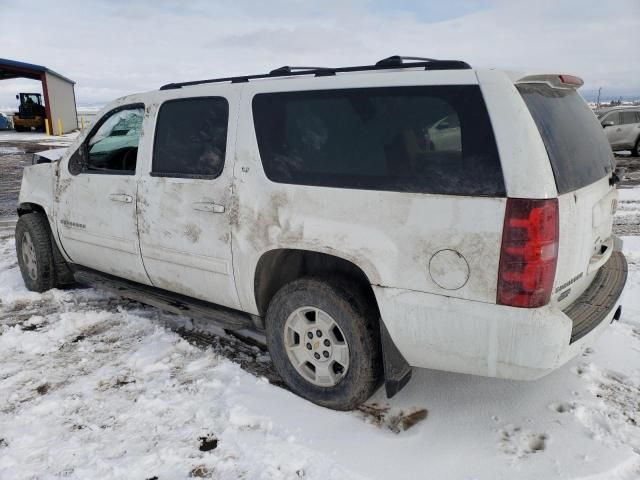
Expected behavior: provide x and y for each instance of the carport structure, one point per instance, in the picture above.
(58, 92)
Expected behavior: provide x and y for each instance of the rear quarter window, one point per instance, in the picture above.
(576, 144)
(409, 139)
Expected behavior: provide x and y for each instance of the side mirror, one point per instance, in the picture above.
(77, 162)
(608, 123)
(17, 97)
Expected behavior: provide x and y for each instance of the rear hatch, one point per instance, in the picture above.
(582, 164)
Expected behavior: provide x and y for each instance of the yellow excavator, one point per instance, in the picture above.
(30, 114)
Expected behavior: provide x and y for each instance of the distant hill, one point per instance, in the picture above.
(608, 94)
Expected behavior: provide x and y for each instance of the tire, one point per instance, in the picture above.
(636, 149)
(306, 306)
(41, 264)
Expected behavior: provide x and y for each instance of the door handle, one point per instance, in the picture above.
(208, 207)
(121, 197)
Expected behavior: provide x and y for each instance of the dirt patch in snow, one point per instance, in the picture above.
(395, 420)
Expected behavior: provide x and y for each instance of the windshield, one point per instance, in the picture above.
(577, 147)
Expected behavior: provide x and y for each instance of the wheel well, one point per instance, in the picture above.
(276, 268)
(25, 208)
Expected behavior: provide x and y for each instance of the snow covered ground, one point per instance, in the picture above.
(38, 137)
(92, 386)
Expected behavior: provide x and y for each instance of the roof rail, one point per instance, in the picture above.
(286, 70)
(397, 60)
(393, 62)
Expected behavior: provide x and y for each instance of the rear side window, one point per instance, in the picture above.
(577, 147)
(191, 138)
(409, 139)
(629, 117)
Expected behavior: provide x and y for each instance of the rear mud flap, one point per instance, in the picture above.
(397, 372)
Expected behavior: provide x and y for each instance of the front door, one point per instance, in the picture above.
(184, 202)
(96, 207)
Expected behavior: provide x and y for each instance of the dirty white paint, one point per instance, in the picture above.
(446, 333)
(586, 222)
(432, 259)
(37, 186)
(391, 236)
(449, 269)
(185, 242)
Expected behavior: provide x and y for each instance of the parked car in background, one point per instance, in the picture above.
(5, 124)
(445, 134)
(622, 127)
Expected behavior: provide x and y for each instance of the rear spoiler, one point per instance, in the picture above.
(562, 81)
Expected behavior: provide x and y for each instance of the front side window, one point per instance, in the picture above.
(612, 119)
(113, 148)
(191, 138)
(427, 139)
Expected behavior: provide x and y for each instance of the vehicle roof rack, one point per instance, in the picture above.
(286, 70)
(397, 60)
(393, 62)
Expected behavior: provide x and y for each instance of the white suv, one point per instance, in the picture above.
(622, 128)
(333, 210)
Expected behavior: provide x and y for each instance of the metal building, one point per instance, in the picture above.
(58, 92)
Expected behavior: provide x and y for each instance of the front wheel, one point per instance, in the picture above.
(35, 258)
(41, 264)
(323, 337)
(636, 149)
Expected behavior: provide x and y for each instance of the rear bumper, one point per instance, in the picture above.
(444, 333)
(593, 306)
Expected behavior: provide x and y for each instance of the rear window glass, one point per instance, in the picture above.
(409, 139)
(577, 147)
(191, 138)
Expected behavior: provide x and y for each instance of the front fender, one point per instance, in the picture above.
(38, 186)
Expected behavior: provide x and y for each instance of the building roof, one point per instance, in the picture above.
(15, 69)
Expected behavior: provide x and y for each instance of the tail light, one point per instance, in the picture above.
(529, 252)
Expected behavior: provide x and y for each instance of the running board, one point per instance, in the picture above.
(224, 317)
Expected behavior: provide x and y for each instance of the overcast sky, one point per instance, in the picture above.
(112, 48)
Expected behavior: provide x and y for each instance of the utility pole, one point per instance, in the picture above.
(598, 101)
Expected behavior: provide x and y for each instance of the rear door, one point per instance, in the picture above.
(630, 125)
(582, 164)
(613, 132)
(185, 199)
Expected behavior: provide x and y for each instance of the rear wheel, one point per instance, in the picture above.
(324, 341)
